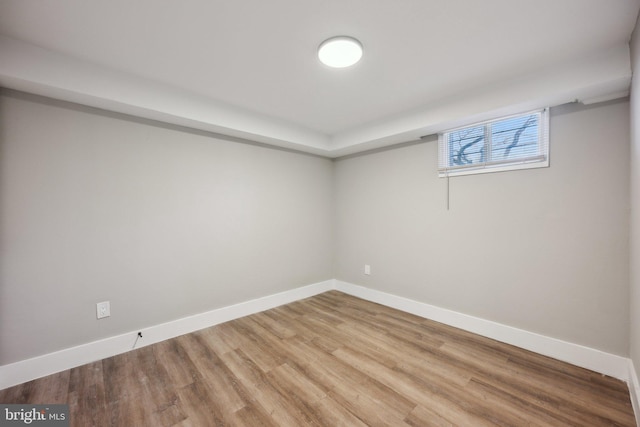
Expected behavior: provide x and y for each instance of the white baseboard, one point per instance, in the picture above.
(595, 360)
(27, 370)
(634, 390)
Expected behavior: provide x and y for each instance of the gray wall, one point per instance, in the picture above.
(635, 201)
(162, 222)
(165, 223)
(545, 250)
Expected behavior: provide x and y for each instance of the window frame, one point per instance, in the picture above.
(540, 160)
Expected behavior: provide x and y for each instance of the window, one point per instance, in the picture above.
(515, 142)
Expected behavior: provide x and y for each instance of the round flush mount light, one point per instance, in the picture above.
(340, 52)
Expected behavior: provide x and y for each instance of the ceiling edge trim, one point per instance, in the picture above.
(600, 75)
(29, 68)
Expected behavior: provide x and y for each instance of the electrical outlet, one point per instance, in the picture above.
(103, 309)
(367, 269)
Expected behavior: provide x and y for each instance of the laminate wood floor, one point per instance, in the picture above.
(331, 360)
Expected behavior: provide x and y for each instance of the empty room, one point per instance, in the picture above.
(336, 213)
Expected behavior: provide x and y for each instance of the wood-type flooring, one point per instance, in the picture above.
(331, 360)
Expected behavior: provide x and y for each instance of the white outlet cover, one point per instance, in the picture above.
(103, 309)
(367, 269)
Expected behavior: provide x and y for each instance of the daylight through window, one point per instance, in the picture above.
(515, 142)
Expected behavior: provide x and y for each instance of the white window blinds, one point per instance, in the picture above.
(514, 142)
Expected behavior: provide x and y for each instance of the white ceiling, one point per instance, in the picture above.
(248, 68)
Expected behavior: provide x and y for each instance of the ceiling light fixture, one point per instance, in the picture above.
(340, 52)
